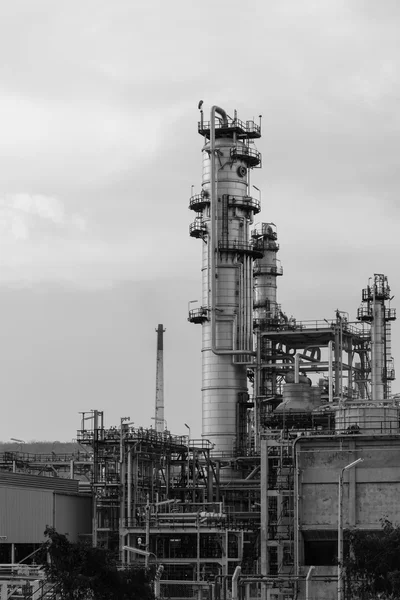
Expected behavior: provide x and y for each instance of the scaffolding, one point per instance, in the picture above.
(163, 495)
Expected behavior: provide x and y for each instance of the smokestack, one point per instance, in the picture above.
(159, 414)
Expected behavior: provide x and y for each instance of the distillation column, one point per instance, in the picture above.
(375, 311)
(267, 312)
(225, 210)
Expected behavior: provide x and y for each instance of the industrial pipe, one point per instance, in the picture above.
(214, 235)
(330, 372)
(296, 367)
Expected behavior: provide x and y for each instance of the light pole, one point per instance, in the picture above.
(310, 570)
(340, 527)
(20, 442)
(145, 553)
(158, 572)
(259, 192)
(189, 303)
(188, 460)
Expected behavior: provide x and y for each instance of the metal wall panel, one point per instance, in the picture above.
(24, 514)
(39, 481)
(73, 515)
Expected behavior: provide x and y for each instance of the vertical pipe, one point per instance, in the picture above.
(198, 547)
(249, 307)
(330, 372)
(243, 308)
(256, 390)
(264, 509)
(296, 367)
(340, 545)
(251, 304)
(341, 359)
(95, 474)
(147, 514)
(129, 507)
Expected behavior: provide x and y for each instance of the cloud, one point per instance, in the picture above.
(22, 215)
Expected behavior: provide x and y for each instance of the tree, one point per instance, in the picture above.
(83, 572)
(372, 563)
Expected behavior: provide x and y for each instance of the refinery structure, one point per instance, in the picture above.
(300, 429)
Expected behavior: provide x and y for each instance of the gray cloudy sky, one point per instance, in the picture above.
(98, 152)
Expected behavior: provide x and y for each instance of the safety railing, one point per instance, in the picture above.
(249, 155)
(197, 228)
(245, 247)
(245, 201)
(261, 269)
(198, 202)
(246, 128)
(198, 315)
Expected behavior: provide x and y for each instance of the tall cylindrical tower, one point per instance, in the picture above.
(375, 310)
(225, 211)
(159, 412)
(267, 311)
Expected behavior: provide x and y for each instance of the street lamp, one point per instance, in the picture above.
(186, 425)
(189, 303)
(18, 441)
(310, 570)
(259, 192)
(340, 527)
(159, 570)
(145, 553)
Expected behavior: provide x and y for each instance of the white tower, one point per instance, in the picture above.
(225, 211)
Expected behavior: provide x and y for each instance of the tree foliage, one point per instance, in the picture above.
(84, 572)
(372, 564)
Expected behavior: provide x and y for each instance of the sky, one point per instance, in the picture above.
(99, 151)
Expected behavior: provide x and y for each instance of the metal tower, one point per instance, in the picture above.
(225, 211)
(159, 412)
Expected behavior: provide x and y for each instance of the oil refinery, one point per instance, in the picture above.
(300, 429)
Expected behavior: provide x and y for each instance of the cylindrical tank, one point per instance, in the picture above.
(296, 398)
(367, 418)
(315, 396)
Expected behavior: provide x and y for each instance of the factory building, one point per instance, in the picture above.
(300, 429)
(30, 504)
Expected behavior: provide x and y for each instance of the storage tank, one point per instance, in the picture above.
(296, 398)
(367, 418)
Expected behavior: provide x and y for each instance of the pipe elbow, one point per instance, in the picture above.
(222, 113)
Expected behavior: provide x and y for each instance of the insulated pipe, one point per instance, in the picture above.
(214, 235)
(250, 304)
(296, 367)
(129, 482)
(330, 371)
(251, 309)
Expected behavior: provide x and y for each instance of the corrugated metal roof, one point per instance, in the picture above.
(68, 486)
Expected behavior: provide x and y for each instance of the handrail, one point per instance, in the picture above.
(248, 127)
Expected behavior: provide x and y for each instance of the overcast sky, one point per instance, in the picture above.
(98, 153)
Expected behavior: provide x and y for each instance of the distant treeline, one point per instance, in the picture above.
(43, 447)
